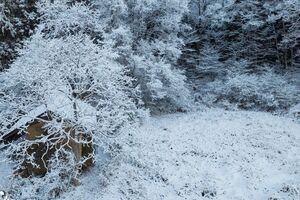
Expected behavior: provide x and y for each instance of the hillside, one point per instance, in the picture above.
(213, 154)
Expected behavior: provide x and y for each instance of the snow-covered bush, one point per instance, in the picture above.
(266, 91)
(295, 111)
(163, 88)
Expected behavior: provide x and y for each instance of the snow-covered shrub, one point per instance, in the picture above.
(295, 111)
(163, 88)
(266, 91)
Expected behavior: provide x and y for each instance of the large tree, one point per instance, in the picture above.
(77, 80)
(64, 68)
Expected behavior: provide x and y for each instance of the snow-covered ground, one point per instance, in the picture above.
(213, 154)
(5, 171)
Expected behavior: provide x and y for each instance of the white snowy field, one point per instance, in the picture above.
(213, 154)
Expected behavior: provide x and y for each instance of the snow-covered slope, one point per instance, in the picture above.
(213, 154)
(5, 171)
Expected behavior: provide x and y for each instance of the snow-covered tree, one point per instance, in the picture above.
(146, 34)
(17, 20)
(77, 80)
(284, 18)
(61, 18)
(263, 32)
(63, 68)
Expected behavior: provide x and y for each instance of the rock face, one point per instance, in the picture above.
(43, 151)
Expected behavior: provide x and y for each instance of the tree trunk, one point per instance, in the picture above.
(77, 147)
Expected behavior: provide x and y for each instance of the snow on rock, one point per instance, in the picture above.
(62, 106)
(28, 117)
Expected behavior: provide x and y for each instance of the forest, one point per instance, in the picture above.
(150, 99)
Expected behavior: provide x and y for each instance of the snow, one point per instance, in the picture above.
(5, 171)
(63, 106)
(213, 154)
(295, 111)
(28, 117)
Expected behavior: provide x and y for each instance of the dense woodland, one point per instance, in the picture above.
(128, 58)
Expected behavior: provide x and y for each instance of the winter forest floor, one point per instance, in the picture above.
(213, 154)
